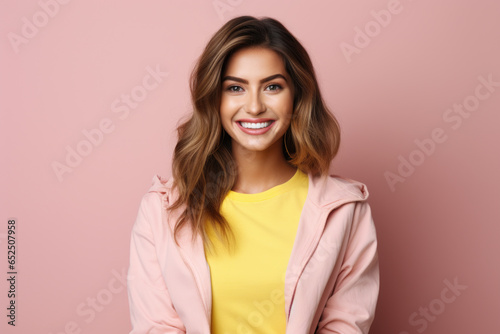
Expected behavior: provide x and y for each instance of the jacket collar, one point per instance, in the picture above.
(325, 193)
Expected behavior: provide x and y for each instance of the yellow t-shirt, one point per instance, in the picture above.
(248, 284)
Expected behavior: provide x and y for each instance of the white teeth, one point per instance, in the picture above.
(249, 125)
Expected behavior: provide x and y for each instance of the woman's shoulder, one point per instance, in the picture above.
(334, 187)
(159, 191)
(154, 202)
(161, 185)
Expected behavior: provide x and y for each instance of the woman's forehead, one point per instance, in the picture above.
(255, 63)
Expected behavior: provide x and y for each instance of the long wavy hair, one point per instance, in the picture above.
(203, 168)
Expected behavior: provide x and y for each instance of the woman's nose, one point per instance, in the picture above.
(254, 104)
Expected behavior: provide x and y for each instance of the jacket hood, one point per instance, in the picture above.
(331, 190)
(160, 184)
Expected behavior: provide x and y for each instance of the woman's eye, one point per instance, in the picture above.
(274, 87)
(234, 89)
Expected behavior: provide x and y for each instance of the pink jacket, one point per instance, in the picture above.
(331, 282)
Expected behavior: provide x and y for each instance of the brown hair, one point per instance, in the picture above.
(203, 168)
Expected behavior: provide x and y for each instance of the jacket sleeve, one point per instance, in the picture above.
(351, 307)
(151, 309)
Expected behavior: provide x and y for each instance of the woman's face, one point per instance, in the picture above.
(257, 100)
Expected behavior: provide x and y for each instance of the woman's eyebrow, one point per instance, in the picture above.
(269, 78)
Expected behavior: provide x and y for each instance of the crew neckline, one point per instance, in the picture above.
(271, 192)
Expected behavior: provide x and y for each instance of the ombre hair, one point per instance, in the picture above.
(203, 168)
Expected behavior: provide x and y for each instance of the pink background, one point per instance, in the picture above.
(439, 227)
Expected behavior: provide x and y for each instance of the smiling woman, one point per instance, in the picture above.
(251, 233)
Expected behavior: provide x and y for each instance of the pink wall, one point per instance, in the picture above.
(396, 82)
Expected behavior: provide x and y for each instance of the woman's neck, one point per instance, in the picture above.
(259, 171)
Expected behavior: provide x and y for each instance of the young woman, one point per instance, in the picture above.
(251, 234)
